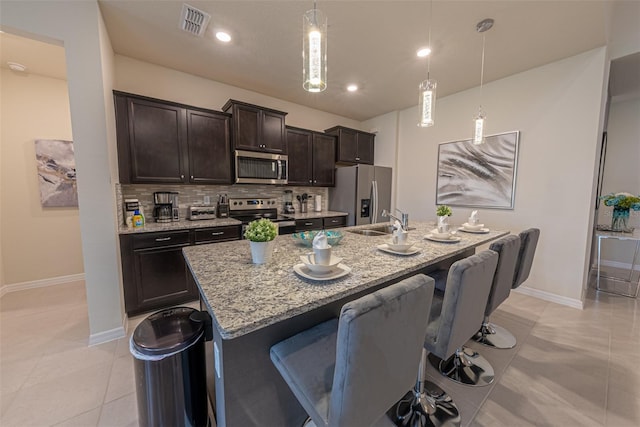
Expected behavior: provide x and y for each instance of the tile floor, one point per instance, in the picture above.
(570, 367)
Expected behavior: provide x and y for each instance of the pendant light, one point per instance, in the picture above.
(479, 119)
(427, 89)
(314, 50)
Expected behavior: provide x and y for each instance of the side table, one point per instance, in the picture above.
(635, 236)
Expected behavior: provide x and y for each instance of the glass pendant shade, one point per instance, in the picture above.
(427, 102)
(479, 122)
(314, 51)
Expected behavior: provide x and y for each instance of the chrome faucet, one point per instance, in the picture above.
(404, 218)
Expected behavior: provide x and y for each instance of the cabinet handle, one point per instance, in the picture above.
(191, 177)
(310, 181)
(334, 221)
(181, 176)
(314, 181)
(163, 239)
(358, 158)
(308, 224)
(218, 233)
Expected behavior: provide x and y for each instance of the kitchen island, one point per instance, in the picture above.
(255, 306)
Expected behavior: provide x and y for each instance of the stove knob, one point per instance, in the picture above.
(240, 203)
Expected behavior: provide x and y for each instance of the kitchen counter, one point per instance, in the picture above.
(255, 306)
(183, 224)
(321, 214)
(244, 297)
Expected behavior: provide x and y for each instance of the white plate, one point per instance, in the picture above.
(441, 236)
(385, 248)
(453, 239)
(481, 231)
(339, 271)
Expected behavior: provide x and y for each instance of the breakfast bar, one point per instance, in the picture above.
(255, 306)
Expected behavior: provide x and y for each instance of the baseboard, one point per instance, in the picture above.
(548, 296)
(41, 283)
(106, 336)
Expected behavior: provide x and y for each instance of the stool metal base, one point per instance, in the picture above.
(495, 336)
(466, 367)
(430, 408)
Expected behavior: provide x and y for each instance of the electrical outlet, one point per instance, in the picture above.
(207, 200)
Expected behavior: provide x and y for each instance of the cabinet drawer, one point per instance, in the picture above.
(217, 234)
(166, 238)
(335, 221)
(309, 224)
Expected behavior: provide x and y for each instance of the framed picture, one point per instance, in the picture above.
(478, 176)
(56, 173)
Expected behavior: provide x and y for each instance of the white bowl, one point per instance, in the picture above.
(399, 247)
(437, 235)
(475, 227)
(320, 268)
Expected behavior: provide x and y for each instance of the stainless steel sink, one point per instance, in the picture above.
(376, 230)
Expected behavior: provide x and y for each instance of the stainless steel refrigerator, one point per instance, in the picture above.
(363, 191)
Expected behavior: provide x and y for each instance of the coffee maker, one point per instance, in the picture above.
(288, 202)
(222, 209)
(166, 206)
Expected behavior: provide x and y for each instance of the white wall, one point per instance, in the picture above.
(143, 78)
(33, 107)
(78, 26)
(557, 109)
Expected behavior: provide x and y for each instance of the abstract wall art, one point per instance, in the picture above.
(56, 173)
(482, 176)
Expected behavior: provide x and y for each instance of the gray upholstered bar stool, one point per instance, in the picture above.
(350, 371)
(455, 317)
(497, 336)
(491, 334)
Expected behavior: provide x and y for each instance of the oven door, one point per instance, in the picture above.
(261, 168)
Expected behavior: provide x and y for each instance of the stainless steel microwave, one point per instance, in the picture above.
(261, 168)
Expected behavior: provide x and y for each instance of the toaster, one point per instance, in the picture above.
(197, 212)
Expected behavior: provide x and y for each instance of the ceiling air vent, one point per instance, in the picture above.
(194, 21)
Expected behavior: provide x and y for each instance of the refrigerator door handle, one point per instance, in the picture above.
(374, 202)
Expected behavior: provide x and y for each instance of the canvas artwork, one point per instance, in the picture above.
(481, 176)
(56, 173)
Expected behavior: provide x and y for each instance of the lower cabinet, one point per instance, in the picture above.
(321, 223)
(334, 222)
(154, 272)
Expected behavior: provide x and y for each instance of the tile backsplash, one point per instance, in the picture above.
(194, 194)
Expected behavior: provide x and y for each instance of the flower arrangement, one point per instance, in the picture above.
(444, 210)
(261, 230)
(622, 201)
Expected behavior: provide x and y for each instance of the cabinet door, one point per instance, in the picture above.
(273, 137)
(324, 163)
(365, 148)
(246, 127)
(217, 234)
(309, 224)
(161, 278)
(347, 146)
(209, 148)
(334, 222)
(300, 157)
(156, 142)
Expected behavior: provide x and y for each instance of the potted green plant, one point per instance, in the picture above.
(622, 203)
(443, 212)
(260, 234)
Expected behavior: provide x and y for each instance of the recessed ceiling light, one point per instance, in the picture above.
(352, 88)
(422, 52)
(17, 67)
(223, 37)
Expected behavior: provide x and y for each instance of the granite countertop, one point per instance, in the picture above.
(244, 297)
(312, 214)
(183, 224)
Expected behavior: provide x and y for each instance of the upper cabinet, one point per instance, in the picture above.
(257, 128)
(311, 158)
(165, 142)
(353, 146)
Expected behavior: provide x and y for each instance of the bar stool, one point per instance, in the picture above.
(454, 319)
(528, 243)
(350, 371)
(490, 334)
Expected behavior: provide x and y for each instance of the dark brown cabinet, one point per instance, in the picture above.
(309, 224)
(257, 128)
(154, 272)
(353, 146)
(334, 222)
(164, 142)
(311, 158)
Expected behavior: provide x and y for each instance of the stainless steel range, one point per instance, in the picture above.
(250, 209)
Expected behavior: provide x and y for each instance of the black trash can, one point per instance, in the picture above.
(169, 364)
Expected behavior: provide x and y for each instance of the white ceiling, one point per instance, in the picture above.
(371, 43)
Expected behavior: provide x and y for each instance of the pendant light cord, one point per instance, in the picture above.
(430, 50)
(482, 70)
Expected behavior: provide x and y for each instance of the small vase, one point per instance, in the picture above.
(261, 251)
(443, 224)
(620, 219)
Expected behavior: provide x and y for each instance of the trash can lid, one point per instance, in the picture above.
(167, 331)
